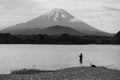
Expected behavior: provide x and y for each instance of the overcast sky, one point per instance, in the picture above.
(102, 14)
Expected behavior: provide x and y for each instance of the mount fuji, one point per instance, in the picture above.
(55, 22)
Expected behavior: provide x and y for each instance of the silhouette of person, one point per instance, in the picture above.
(81, 58)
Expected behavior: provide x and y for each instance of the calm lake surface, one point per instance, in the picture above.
(57, 56)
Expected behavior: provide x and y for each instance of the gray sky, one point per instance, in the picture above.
(102, 14)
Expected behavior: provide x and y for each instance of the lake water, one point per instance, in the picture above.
(57, 56)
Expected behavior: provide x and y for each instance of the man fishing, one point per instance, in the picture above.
(81, 58)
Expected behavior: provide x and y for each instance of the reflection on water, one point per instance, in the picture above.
(57, 56)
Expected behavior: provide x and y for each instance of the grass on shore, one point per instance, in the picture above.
(75, 73)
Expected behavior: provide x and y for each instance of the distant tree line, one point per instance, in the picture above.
(117, 38)
(6, 38)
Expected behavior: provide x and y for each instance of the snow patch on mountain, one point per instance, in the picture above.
(59, 15)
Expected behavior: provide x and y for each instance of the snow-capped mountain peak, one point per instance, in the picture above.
(59, 15)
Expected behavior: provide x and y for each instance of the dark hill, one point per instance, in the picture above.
(54, 30)
(58, 30)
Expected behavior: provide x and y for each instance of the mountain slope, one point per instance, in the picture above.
(57, 17)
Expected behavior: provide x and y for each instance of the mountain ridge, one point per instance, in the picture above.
(57, 17)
